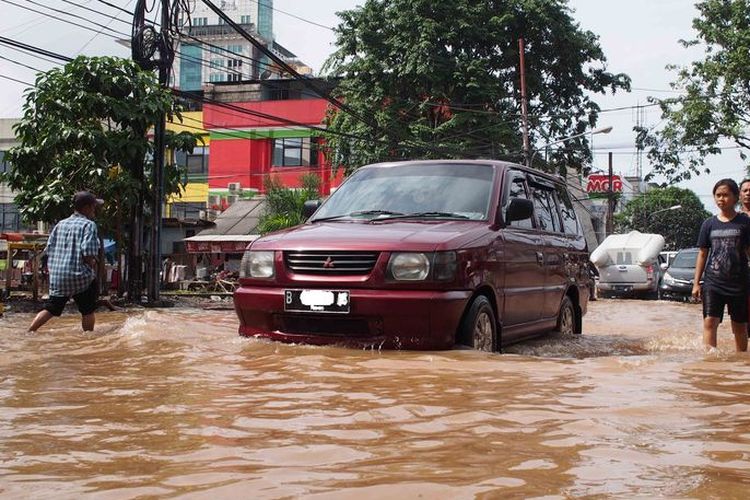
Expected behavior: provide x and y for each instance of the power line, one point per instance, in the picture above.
(16, 80)
(21, 64)
(260, 3)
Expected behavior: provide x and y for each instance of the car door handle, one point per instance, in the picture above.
(540, 258)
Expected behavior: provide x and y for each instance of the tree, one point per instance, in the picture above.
(284, 205)
(680, 227)
(715, 104)
(85, 126)
(427, 79)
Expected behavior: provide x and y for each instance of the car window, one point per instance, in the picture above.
(546, 210)
(518, 190)
(685, 259)
(624, 258)
(567, 211)
(462, 189)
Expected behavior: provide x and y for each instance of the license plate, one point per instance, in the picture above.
(317, 301)
(623, 288)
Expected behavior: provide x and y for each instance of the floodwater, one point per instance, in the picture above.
(172, 403)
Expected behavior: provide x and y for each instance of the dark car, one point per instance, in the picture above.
(423, 255)
(677, 282)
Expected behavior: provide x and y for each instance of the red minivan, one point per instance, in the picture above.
(423, 255)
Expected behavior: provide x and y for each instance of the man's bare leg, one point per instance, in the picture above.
(87, 322)
(740, 336)
(41, 318)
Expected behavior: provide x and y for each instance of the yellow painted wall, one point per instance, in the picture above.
(192, 121)
(194, 192)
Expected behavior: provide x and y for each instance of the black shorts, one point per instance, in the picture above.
(86, 301)
(714, 303)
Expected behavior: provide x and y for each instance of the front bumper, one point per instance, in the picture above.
(396, 319)
(678, 290)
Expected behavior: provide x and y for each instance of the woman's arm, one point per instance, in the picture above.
(700, 265)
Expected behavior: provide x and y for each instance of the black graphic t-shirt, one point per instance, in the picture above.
(726, 269)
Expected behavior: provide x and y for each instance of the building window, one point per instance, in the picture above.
(237, 49)
(217, 63)
(187, 210)
(10, 219)
(245, 20)
(234, 77)
(295, 152)
(200, 21)
(195, 163)
(216, 77)
(234, 63)
(3, 162)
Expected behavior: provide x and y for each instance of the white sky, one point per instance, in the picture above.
(639, 37)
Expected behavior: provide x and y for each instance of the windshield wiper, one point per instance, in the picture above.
(358, 212)
(419, 215)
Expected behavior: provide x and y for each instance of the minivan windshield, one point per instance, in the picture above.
(426, 190)
(685, 259)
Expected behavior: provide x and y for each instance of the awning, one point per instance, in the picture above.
(219, 243)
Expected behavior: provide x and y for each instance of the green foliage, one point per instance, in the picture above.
(85, 126)
(679, 227)
(284, 205)
(715, 105)
(440, 79)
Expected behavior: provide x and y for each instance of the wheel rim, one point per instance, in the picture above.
(483, 332)
(566, 321)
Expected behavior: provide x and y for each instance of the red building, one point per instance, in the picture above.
(259, 129)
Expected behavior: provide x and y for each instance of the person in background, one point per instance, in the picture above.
(725, 268)
(73, 247)
(745, 208)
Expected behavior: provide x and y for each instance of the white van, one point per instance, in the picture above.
(628, 265)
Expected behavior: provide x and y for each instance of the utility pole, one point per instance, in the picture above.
(610, 200)
(524, 104)
(146, 44)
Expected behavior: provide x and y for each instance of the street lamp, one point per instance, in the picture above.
(601, 130)
(673, 207)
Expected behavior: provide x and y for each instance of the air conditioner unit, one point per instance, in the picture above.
(234, 186)
(232, 198)
(203, 214)
(214, 200)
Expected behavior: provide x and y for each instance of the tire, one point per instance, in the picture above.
(479, 326)
(566, 318)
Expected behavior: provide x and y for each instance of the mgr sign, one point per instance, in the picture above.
(599, 183)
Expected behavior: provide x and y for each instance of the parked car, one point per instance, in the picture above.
(628, 265)
(423, 255)
(666, 257)
(678, 279)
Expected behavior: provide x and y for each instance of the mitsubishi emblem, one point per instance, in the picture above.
(328, 264)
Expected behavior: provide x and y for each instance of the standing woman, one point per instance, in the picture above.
(724, 268)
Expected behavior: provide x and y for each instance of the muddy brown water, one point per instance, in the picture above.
(173, 403)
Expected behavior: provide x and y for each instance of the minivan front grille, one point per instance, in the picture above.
(328, 263)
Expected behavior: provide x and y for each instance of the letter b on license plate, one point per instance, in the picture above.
(319, 301)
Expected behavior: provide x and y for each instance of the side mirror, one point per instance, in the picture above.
(519, 209)
(663, 266)
(309, 208)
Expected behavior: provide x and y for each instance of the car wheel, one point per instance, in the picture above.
(479, 327)
(566, 319)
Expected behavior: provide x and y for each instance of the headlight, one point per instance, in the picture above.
(409, 266)
(668, 279)
(257, 265)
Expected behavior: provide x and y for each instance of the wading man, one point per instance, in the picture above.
(72, 248)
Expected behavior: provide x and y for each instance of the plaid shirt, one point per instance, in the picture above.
(71, 240)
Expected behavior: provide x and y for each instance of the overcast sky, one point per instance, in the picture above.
(639, 38)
